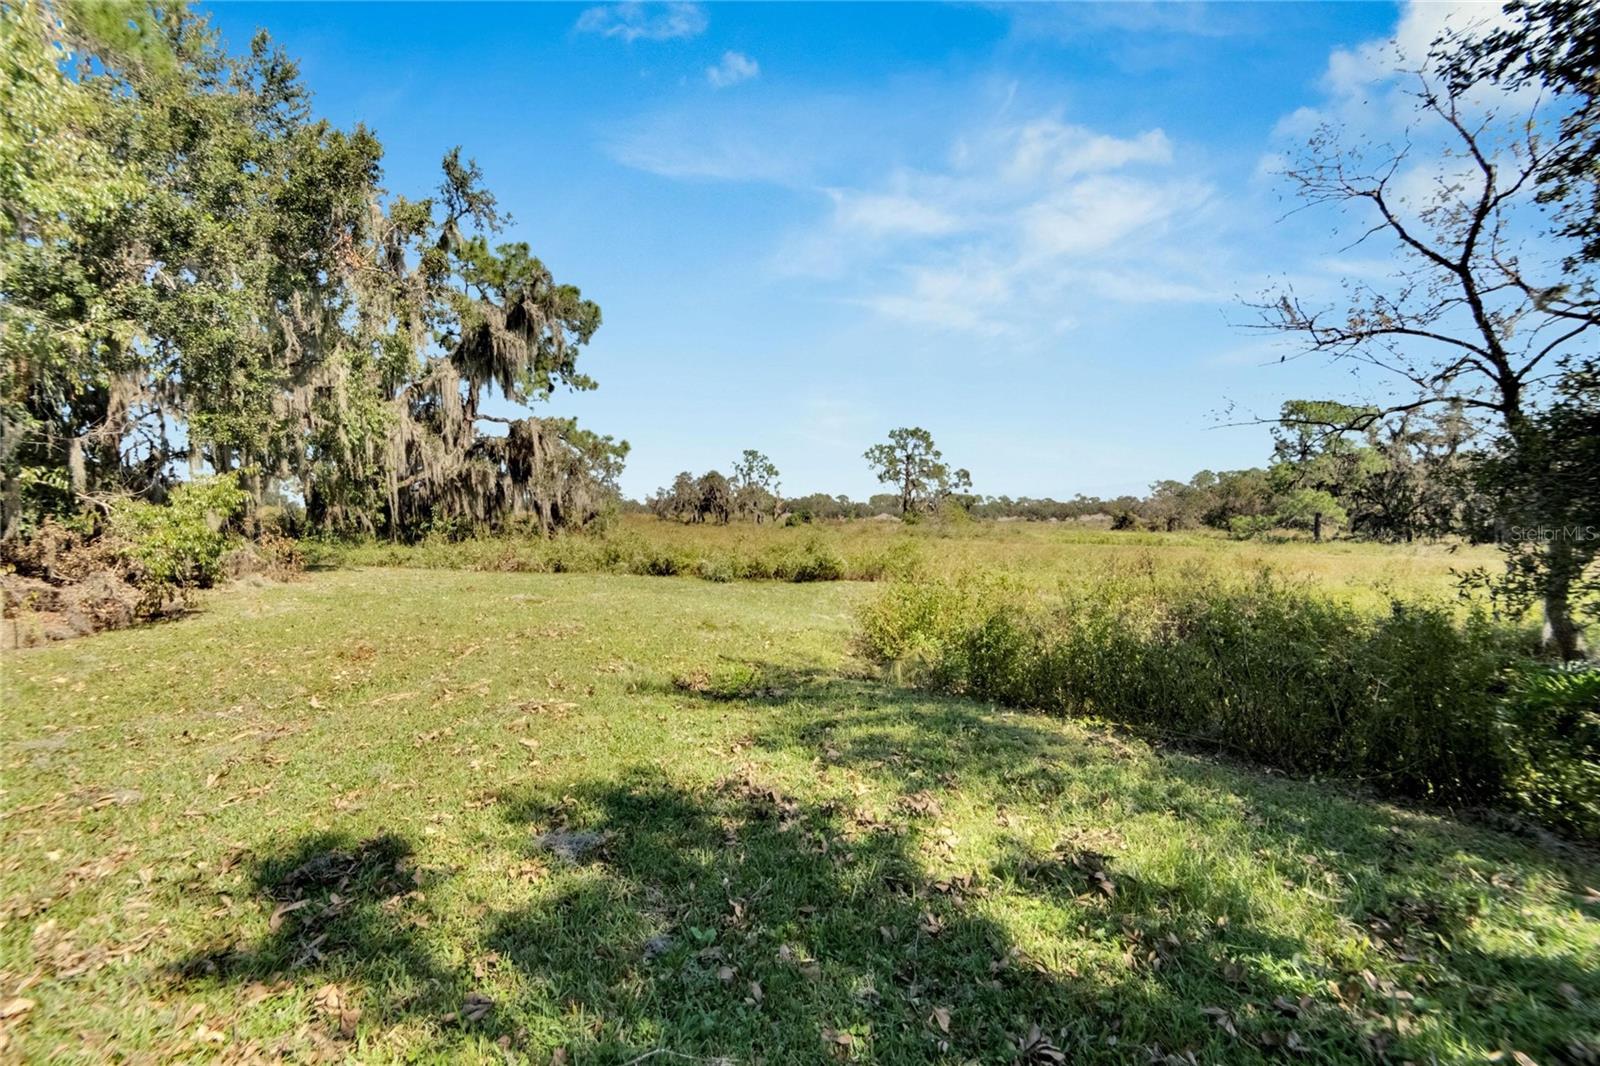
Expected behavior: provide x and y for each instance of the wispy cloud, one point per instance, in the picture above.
(734, 68)
(1026, 224)
(634, 21)
(686, 146)
(737, 137)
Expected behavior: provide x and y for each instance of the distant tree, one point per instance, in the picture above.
(755, 486)
(883, 503)
(820, 505)
(1312, 509)
(679, 501)
(715, 499)
(1176, 505)
(1422, 484)
(1312, 463)
(910, 461)
(1239, 494)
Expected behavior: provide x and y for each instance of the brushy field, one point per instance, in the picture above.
(412, 815)
(1041, 554)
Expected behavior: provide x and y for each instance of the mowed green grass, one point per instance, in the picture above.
(316, 820)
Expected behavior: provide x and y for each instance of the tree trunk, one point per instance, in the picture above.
(76, 469)
(1562, 634)
(11, 509)
(1316, 527)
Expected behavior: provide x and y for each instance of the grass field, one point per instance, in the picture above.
(1039, 553)
(406, 814)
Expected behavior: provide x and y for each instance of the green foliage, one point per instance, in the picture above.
(910, 461)
(1404, 700)
(180, 545)
(1308, 509)
(815, 561)
(1546, 478)
(1551, 729)
(751, 493)
(185, 244)
(1244, 527)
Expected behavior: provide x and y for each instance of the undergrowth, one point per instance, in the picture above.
(1419, 701)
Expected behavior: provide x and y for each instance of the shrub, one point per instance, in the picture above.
(816, 561)
(1244, 527)
(720, 570)
(180, 545)
(657, 562)
(900, 561)
(1405, 700)
(1550, 726)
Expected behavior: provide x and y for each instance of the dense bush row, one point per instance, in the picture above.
(1416, 701)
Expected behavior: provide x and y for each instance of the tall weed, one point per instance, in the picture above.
(1408, 700)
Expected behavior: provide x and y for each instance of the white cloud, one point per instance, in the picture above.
(1369, 103)
(734, 68)
(1046, 148)
(1352, 71)
(959, 295)
(1371, 87)
(891, 214)
(1027, 224)
(1099, 213)
(1023, 226)
(800, 141)
(679, 146)
(634, 21)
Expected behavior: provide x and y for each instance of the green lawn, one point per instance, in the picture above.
(332, 819)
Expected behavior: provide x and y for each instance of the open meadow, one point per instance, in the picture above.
(1043, 555)
(411, 814)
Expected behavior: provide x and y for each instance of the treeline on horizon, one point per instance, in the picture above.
(1398, 478)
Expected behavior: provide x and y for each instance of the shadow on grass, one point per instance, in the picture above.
(914, 737)
(744, 920)
(343, 912)
(1408, 887)
(739, 921)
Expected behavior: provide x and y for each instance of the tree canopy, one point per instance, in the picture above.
(910, 461)
(196, 270)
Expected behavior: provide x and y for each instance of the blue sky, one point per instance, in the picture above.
(1025, 228)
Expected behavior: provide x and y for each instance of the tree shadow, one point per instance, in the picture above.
(740, 919)
(346, 913)
(1401, 885)
(908, 739)
(735, 920)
